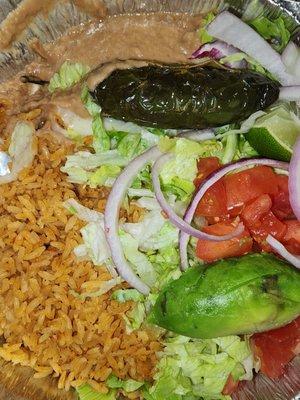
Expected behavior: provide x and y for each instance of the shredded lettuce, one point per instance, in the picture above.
(140, 263)
(121, 128)
(86, 392)
(123, 295)
(274, 31)
(131, 145)
(101, 141)
(135, 317)
(105, 287)
(95, 242)
(103, 175)
(68, 75)
(253, 64)
(204, 36)
(178, 174)
(129, 385)
(195, 368)
(166, 264)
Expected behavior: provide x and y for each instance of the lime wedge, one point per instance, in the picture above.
(274, 135)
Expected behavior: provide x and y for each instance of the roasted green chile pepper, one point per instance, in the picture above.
(244, 295)
(184, 96)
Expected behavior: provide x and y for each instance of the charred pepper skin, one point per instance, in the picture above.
(244, 295)
(184, 96)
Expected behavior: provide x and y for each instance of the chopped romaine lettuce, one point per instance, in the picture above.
(68, 75)
(115, 125)
(86, 392)
(90, 161)
(101, 141)
(253, 64)
(166, 264)
(135, 317)
(131, 145)
(141, 265)
(204, 36)
(178, 174)
(88, 101)
(195, 368)
(122, 295)
(95, 242)
(103, 175)
(128, 385)
(105, 287)
(274, 31)
(230, 148)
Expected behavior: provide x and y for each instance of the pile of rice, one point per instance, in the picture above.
(43, 324)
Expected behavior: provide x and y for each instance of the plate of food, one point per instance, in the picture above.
(149, 200)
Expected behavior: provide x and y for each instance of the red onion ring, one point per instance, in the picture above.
(173, 217)
(294, 180)
(213, 178)
(111, 217)
(280, 249)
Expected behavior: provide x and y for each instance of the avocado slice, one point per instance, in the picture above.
(244, 295)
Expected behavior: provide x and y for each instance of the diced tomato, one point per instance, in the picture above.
(277, 348)
(230, 386)
(269, 225)
(209, 251)
(205, 167)
(292, 237)
(281, 203)
(244, 186)
(213, 203)
(255, 210)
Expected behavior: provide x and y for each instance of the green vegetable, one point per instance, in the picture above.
(204, 36)
(101, 141)
(178, 174)
(129, 385)
(122, 295)
(253, 293)
(68, 75)
(103, 174)
(274, 31)
(274, 134)
(140, 263)
(86, 392)
(184, 96)
(198, 369)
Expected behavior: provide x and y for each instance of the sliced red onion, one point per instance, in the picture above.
(281, 250)
(234, 31)
(289, 93)
(294, 180)
(173, 217)
(216, 51)
(111, 217)
(212, 179)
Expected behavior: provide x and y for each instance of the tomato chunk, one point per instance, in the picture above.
(255, 210)
(230, 386)
(205, 167)
(213, 203)
(269, 225)
(244, 186)
(292, 236)
(281, 204)
(209, 251)
(277, 348)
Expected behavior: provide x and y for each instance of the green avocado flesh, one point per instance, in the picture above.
(184, 96)
(253, 293)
